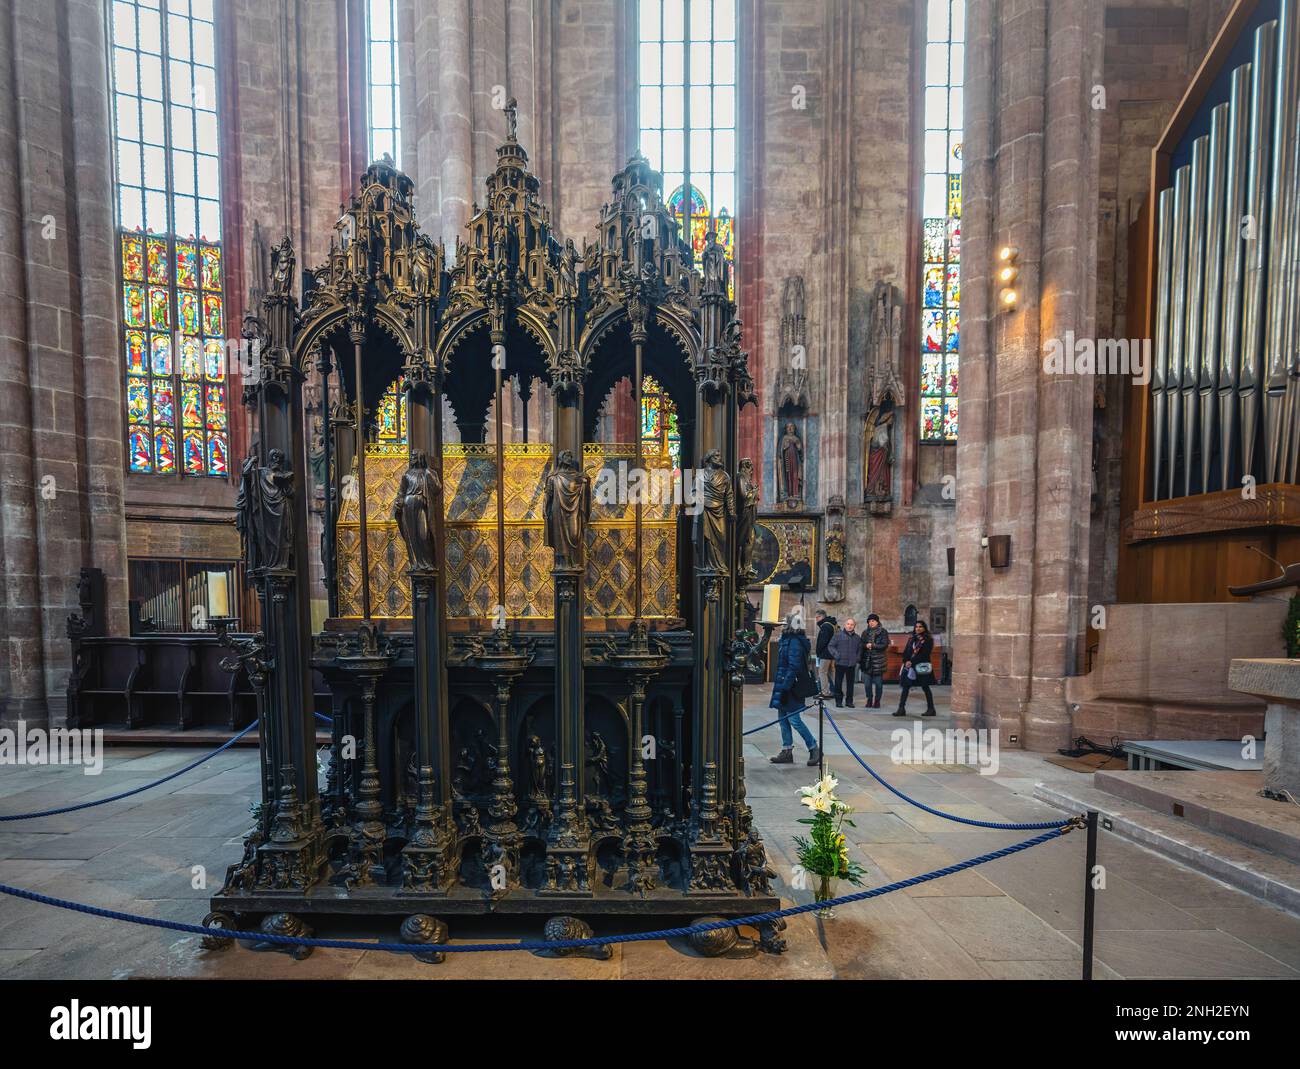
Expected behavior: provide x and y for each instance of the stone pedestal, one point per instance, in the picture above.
(1277, 681)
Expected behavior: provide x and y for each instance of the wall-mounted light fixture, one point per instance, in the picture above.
(999, 550)
(1008, 272)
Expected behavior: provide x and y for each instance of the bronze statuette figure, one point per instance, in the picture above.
(568, 508)
(417, 497)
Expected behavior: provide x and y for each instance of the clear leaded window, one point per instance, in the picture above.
(384, 92)
(169, 235)
(941, 210)
(687, 107)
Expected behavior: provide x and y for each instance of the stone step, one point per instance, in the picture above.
(1258, 872)
(1224, 802)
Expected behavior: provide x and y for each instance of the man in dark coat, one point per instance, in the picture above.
(875, 654)
(825, 663)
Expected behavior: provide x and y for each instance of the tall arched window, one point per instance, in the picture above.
(686, 62)
(169, 233)
(384, 94)
(945, 34)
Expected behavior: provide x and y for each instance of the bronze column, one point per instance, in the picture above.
(428, 864)
(568, 841)
(711, 612)
(293, 855)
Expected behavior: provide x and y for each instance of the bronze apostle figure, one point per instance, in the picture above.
(568, 508)
(264, 511)
(746, 515)
(719, 505)
(414, 511)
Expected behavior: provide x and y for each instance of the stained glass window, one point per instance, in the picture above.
(169, 218)
(941, 211)
(383, 88)
(659, 430)
(687, 107)
(390, 418)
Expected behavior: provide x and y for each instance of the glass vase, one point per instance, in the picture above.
(825, 892)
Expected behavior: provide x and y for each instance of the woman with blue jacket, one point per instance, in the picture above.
(791, 662)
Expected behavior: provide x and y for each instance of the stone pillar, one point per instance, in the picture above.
(455, 122)
(1030, 182)
(61, 440)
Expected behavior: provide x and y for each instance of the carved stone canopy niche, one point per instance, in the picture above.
(884, 401)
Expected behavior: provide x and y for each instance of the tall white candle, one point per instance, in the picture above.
(218, 594)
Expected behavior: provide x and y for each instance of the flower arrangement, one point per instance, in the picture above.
(824, 852)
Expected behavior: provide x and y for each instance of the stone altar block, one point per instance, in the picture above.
(1277, 681)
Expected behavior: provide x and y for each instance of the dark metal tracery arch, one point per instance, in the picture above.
(491, 814)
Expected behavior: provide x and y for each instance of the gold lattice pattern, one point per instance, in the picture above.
(469, 497)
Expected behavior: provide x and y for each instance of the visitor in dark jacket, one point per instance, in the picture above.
(917, 670)
(846, 649)
(875, 654)
(825, 663)
(791, 662)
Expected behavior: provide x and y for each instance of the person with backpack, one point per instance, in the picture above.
(875, 653)
(792, 685)
(825, 663)
(917, 669)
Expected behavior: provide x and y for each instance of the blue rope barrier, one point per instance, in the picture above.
(929, 809)
(761, 727)
(531, 945)
(135, 790)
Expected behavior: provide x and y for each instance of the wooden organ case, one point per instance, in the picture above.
(1211, 473)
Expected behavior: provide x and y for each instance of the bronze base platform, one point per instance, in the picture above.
(466, 901)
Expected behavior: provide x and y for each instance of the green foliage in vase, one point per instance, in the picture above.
(824, 851)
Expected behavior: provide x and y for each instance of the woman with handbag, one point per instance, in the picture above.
(793, 683)
(917, 669)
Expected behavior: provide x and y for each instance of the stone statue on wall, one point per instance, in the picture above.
(746, 515)
(878, 455)
(884, 398)
(711, 521)
(567, 508)
(789, 478)
(834, 589)
(264, 511)
(414, 510)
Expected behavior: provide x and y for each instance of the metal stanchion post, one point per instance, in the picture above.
(821, 742)
(1089, 893)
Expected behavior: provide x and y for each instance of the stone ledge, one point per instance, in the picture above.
(1257, 872)
(1274, 678)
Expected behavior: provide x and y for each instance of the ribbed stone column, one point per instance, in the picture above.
(1029, 181)
(22, 687)
(60, 363)
(95, 278)
(455, 120)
